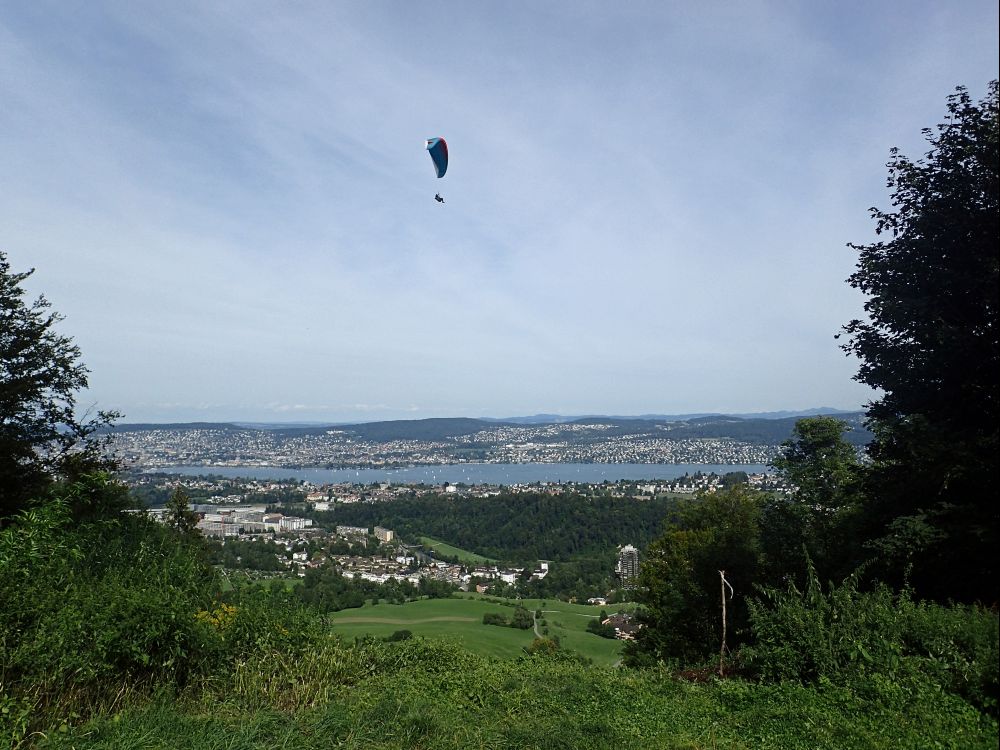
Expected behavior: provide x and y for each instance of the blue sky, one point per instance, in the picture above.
(648, 204)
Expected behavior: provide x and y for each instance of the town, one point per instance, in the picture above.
(268, 528)
(166, 446)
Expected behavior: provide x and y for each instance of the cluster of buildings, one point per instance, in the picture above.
(234, 522)
(243, 520)
(410, 567)
(639, 449)
(231, 446)
(506, 575)
(547, 443)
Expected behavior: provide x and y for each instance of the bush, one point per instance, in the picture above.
(844, 633)
(522, 619)
(98, 609)
(605, 631)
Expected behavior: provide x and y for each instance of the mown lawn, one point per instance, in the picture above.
(461, 619)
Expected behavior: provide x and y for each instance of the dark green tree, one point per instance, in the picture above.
(930, 345)
(41, 438)
(522, 619)
(179, 514)
(731, 478)
(818, 518)
(679, 583)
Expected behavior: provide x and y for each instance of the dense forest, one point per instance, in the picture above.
(518, 527)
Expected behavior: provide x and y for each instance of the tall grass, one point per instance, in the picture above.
(422, 694)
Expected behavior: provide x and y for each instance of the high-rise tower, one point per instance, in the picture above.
(628, 564)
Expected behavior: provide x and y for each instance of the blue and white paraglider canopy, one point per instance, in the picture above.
(439, 154)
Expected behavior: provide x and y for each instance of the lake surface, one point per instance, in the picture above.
(471, 473)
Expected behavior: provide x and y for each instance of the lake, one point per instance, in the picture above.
(472, 473)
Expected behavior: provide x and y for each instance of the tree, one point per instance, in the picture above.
(731, 478)
(930, 344)
(41, 438)
(679, 576)
(179, 514)
(522, 619)
(817, 519)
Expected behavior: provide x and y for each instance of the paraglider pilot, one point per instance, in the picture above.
(438, 198)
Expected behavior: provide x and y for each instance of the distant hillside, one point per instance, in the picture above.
(417, 429)
(765, 431)
(147, 426)
(562, 418)
(758, 430)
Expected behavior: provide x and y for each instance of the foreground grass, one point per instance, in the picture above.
(433, 695)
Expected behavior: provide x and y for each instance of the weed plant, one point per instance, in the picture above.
(844, 634)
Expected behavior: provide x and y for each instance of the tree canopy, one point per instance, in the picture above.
(679, 578)
(818, 519)
(930, 345)
(41, 437)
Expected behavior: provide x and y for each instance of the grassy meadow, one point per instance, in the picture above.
(435, 696)
(444, 549)
(461, 619)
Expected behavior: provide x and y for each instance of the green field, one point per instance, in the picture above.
(461, 619)
(446, 550)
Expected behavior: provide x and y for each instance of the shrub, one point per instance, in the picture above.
(98, 609)
(844, 633)
(605, 631)
(522, 619)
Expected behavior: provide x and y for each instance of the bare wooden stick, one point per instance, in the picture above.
(722, 649)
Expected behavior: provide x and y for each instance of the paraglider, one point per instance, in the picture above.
(438, 150)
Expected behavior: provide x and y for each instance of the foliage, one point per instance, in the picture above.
(256, 554)
(679, 581)
(522, 619)
(543, 647)
(179, 514)
(731, 478)
(41, 438)
(511, 526)
(579, 579)
(268, 621)
(843, 633)
(326, 590)
(817, 521)
(931, 344)
(89, 608)
(822, 466)
(596, 627)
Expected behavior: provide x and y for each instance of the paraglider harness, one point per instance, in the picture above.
(438, 198)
